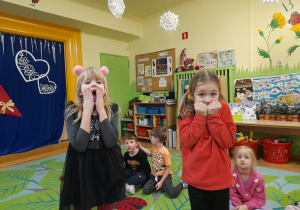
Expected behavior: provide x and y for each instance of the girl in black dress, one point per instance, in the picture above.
(94, 168)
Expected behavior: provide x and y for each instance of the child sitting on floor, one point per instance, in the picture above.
(248, 192)
(161, 175)
(137, 168)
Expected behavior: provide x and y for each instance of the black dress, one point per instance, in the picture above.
(94, 175)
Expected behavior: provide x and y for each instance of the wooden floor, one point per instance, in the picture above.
(7, 161)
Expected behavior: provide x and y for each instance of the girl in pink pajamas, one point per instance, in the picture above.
(248, 192)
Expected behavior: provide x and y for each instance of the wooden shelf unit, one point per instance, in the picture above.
(124, 129)
(170, 116)
(270, 126)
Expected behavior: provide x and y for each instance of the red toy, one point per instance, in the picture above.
(295, 18)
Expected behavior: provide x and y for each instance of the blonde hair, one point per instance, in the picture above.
(249, 150)
(160, 133)
(90, 72)
(186, 106)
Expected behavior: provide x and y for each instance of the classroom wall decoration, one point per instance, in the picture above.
(208, 60)
(32, 72)
(154, 71)
(226, 58)
(243, 91)
(247, 110)
(282, 89)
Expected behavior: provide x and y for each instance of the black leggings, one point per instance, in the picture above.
(208, 200)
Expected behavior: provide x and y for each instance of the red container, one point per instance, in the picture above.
(130, 125)
(142, 132)
(276, 152)
(252, 145)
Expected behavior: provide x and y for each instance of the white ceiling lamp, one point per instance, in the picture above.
(270, 1)
(169, 21)
(116, 7)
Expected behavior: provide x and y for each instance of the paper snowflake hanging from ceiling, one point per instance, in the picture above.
(169, 21)
(116, 7)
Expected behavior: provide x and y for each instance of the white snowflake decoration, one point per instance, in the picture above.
(169, 21)
(116, 7)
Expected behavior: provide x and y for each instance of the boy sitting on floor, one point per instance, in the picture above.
(161, 175)
(137, 168)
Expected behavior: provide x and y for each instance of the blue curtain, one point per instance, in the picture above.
(32, 72)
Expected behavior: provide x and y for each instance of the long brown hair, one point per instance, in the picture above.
(186, 106)
(90, 72)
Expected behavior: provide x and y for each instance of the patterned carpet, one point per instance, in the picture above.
(36, 185)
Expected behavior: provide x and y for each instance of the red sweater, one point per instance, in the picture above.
(205, 140)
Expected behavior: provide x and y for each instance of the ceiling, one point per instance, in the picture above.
(138, 8)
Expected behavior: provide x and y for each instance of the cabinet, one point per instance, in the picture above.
(168, 114)
(125, 122)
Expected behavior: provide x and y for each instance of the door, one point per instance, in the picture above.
(117, 79)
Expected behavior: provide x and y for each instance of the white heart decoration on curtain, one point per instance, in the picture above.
(26, 64)
(46, 86)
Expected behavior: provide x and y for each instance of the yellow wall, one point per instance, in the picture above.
(92, 45)
(220, 25)
(211, 24)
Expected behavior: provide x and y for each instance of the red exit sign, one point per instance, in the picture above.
(185, 35)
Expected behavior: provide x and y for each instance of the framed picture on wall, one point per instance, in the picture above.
(226, 58)
(207, 60)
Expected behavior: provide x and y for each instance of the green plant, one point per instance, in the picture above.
(292, 110)
(275, 109)
(284, 110)
(297, 110)
(262, 108)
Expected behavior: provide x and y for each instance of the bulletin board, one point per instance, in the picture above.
(154, 71)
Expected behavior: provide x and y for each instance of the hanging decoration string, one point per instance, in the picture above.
(53, 51)
(116, 7)
(21, 43)
(2, 42)
(35, 44)
(41, 45)
(12, 40)
(31, 45)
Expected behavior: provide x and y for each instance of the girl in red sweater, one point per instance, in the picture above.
(206, 131)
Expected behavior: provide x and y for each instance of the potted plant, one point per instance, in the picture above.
(283, 112)
(260, 111)
(275, 112)
(290, 113)
(296, 116)
(267, 114)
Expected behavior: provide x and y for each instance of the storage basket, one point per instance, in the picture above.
(162, 110)
(130, 125)
(252, 145)
(141, 110)
(152, 110)
(144, 121)
(276, 152)
(142, 132)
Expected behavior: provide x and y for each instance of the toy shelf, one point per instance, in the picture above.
(124, 129)
(169, 114)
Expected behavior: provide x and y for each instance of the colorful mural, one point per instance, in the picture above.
(282, 89)
(289, 19)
